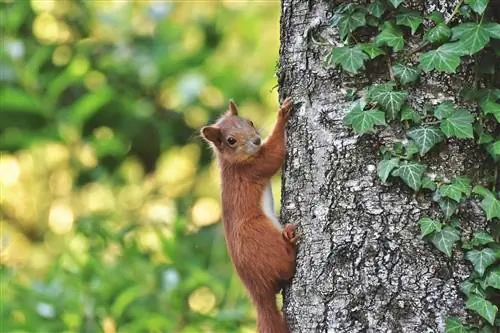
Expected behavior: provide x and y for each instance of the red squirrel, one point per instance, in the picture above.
(262, 251)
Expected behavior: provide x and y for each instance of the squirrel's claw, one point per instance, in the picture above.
(289, 233)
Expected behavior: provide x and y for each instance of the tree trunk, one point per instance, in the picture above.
(361, 264)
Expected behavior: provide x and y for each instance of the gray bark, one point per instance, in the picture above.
(361, 265)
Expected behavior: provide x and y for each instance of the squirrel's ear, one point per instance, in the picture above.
(212, 134)
(232, 109)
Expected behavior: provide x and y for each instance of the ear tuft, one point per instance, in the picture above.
(232, 109)
(212, 134)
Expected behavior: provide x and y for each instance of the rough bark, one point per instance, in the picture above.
(362, 266)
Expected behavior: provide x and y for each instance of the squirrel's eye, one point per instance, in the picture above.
(231, 140)
(251, 123)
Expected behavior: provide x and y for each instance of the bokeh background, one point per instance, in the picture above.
(109, 208)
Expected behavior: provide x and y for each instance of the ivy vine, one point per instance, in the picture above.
(381, 29)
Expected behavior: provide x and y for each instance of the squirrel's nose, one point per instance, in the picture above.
(256, 141)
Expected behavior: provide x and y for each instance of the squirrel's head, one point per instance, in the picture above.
(235, 139)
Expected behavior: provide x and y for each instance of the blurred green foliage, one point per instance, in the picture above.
(109, 200)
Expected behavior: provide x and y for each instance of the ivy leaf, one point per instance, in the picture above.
(410, 19)
(453, 325)
(350, 58)
(350, 22)
(493, 278)
(444, 110)
(385, 167)
(493, 29)
(439, 34)
(411, 149)
(425, 137)
(490, 204)
(473, 37)
(428, 183)
(436, 17)
(459, 124)
(428, 226)
(445, 58)
(482, 238)
(448, 207)
(481, 259)
(445, 239)
(363, 121)
(405, 74)
(377, 8)
(482, 307)
(396, 3)
(462, 184)
(450, 191)
(391, 36)
(491, 207)
(468, 288)
(391, 101)
(372, 50)
(411, 173)
(496, 147)
(490, 107)
(408, 113)
(477, 5)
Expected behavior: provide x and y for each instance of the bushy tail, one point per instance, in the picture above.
(269, 318)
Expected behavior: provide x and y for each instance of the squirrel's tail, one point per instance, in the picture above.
(269, 318)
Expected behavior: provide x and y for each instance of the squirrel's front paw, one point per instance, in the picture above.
(285, 108)
(289, 233)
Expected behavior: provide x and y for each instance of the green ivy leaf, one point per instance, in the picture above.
(462, 184)
(493, 29)
(385, 167)
(372, 50)
(473, 37)
(405, 74)
(482, 307)
(482, 238)
(425, 137)
(411, 173)
(445, 239)
(481, 259)
(490, 107)
(428, 183)
(490, 204)
(450, 191)
(396, 3)
(468, 288)
(491, 207)
(493, 278)
(408, 113)
(411, 149)
(350, 58)
(410, 19)
(448, 207)
(436, 17)
(439, 34)
(428, 226)
(482, 191)
(391, 101)
(391, 36)
(453, 325)
(363, 121)
(350, 22)
(459, 124)
(445, 58)
(444, 110)
(496, 147)
(377, 8)
(484, 138)
(477, 5)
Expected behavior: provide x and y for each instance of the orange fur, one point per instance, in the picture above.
(262, 254)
